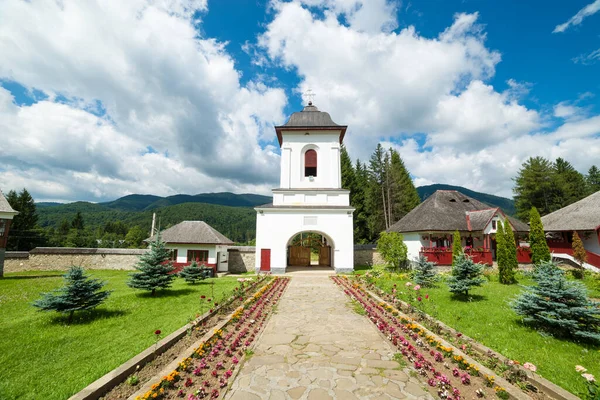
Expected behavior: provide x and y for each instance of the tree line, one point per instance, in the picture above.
(549, 186)
(381, 190)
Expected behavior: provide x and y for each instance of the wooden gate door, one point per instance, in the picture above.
(325, 256)
(265, 259)
(299, 256)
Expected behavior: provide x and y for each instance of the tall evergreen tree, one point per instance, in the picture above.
(348, 174)
(457, 248)
(79, 293)
(537, 239)
(571, 185)
(153, 268)
(534, 187)
(404, 194)
(24, 235)
(512, 264)
(559, 306)
(593, 179)
(377, 192)
(359, 201)
(77, 222)
(501, 252)
(465, 275)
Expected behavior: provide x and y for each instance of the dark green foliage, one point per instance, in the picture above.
(425, 272)
(571, 183)
(358, 201)
(579, 253)
(537, 239)
(457, 248)
(144, 202)
(79, 293)
(511, 255)
(135, 237)
(501, 253)
(153, 268)
(393, 250)
(404, 196)
(465, 275)
(507, 205)
(77, 222)
(24, 234)
(192, 273)
(593, 179)
(559, 306)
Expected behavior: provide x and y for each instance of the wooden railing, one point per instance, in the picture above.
(444, 257)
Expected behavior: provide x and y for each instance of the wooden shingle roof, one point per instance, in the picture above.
(5, 205)
(193, 232)
(579, 216)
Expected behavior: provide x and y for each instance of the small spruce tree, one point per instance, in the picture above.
(425, 272)
(457, 248)
(512, 264)
(192, 273)
(465, 275)
(579, 253)
(537, 239)
(559, 306)
(79, 293)
(501, 251)
(153, 268)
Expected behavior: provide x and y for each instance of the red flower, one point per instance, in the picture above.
(426, 296)
(157, 332)
(209, 300)
(203, 297)
(419, 298)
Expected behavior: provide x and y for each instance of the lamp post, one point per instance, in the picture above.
(6, 215)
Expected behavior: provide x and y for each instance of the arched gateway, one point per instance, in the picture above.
(310, 199)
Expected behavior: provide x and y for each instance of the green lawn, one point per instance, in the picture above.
(42, 358)
(488, 319)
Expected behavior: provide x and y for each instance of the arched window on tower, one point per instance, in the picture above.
(310, 163)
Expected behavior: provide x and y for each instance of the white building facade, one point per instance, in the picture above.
(310, 197)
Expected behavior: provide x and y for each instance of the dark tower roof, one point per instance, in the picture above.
(310, 118)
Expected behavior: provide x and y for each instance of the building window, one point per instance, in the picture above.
(2, 227)
(197, 255)
(310, 163)
(174, 255)
(493, 224)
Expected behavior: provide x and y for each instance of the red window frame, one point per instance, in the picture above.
(197, 255)
(310, 163)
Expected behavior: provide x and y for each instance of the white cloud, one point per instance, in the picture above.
(160, 85)
(426, 96)
(577, 19)
(588, 59)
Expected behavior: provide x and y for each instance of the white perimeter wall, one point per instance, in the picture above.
(275, 228)
(591, 244)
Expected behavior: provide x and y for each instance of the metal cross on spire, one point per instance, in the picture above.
(309, 93)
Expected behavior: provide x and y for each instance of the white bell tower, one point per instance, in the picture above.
(310, 197)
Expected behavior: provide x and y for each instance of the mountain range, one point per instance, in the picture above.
(229, 213)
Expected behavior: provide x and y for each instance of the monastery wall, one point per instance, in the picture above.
(241, 258)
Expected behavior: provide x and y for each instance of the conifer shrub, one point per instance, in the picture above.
(559, 306)
(457, 248)
(153, 269)
(537, 239)
(425, 272)
(79, 293)
(579, 253)
(465, 275)
(512, 264)
(501, 258)
(192, 273)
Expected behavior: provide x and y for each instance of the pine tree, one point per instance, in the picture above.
(534, 187)
(153, 268)
(537, 239)
(24, 233)
(465, 275)
(425, 272)
(501, 253)
(579, 253)
(192, 273)
(593, 179)
(571, 183)
(77, 222)
(404, 195)
(358, 201)
(512, 263)
(79, 293)
(559, 306)
(457, 248)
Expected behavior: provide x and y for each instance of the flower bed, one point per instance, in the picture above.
(206, 372)
(448, 371)
(126, 379)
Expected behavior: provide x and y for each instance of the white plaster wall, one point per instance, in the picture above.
(182, 250)
(293, 147)
(300, 197)
(591, 244)
(275, 228)
(488, 229)
(414, 243)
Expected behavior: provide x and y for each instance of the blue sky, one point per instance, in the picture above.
(100, 100)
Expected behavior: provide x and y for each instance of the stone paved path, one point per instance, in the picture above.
(316, 347)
